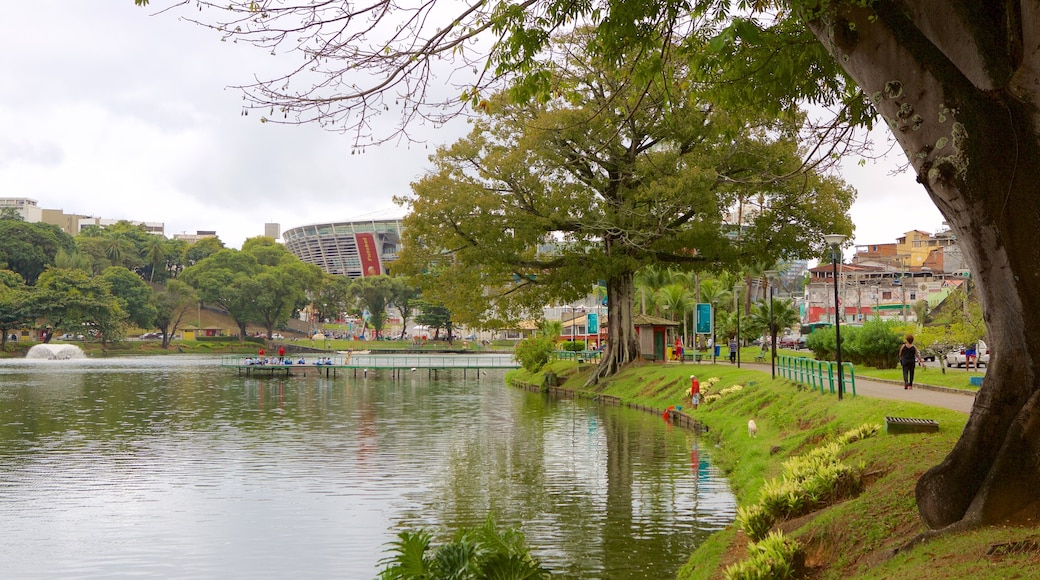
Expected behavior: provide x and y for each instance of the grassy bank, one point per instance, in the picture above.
(852, 538)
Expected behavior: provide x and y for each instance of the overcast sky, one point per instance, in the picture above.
(110, 111)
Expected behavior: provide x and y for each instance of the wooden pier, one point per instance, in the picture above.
(362, 363)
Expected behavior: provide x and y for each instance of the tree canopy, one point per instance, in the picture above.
(543, 200)
(29, 248)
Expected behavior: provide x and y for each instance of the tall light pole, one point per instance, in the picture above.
(736, 300)
(835, 241)
(770, 276)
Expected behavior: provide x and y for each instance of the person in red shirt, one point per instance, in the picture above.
(281, 353)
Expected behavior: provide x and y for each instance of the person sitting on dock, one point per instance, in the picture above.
(303, 361)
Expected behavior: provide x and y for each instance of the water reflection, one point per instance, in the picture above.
(172, 466)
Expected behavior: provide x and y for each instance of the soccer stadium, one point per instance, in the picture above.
(354, 249)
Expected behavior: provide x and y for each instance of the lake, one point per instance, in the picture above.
(169, 466)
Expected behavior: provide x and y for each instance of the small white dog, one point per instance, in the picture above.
(752, 428)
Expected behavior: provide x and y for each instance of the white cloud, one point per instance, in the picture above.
(110, 111)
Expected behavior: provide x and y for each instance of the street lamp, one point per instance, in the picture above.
(736, 299)
(770, 276)
(835, 241)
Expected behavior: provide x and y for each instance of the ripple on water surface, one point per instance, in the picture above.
(171, 466)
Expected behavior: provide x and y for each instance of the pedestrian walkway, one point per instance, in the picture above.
(934, 396)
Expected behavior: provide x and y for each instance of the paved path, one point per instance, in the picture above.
(935, 396)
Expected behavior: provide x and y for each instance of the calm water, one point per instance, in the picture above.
(173, 467)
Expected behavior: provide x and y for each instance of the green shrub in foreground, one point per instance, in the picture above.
(776, 557)
(478, 553)
(809, 482)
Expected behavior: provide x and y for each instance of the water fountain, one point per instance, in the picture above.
(55, 352)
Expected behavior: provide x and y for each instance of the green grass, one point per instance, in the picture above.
(851, 539)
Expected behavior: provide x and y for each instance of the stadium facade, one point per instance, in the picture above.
(354, 249)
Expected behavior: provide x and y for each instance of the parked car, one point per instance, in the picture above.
(795, 341)
(959, 357)
(151, 335)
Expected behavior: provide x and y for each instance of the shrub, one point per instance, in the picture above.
(483, 552)
(534, 352)
(876, 344)
(755, 521)
(572, 346)
(775, 557)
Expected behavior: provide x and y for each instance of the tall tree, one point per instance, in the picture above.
(226, 279)
(282, 282)
(542, 200)
(173, 303)
(13, 312)
(370, 296)
(29, 248)
(403, 298)
(331, 298)
(135, 296)
(72, 301)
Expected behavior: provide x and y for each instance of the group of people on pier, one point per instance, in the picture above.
(260, 359)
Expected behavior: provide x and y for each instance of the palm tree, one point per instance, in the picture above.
(649, 280)
(156, 252)
(785, 315)
(678, 301)
(117, 249)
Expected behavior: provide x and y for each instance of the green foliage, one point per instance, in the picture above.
(808, 482)
(534, 352)
(479, 553)
(436, 316)
(534, 171)
(875, 344)
(29, 248)
(134, 295)
(775, 557)
(572, 345)
(262, 283)
(173, 303)
(70, 301)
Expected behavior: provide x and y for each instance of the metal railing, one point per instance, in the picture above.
(818, 375)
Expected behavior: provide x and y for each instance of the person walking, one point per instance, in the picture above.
(733, 350)
(908, 358)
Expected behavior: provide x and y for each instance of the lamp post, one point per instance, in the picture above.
(770, 276)
(736, 300)
(835, 241)
(714, 346)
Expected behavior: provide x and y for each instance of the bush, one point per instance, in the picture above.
(775, 557)
(534, 352)
(483, 552)
(573, 346)
(876, 344)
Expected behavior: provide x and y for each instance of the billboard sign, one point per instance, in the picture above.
(704, 318)
(369, 253)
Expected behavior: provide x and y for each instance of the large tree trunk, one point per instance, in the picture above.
(957, 82)
(622, 345)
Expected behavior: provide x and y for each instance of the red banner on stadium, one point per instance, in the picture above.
(366, 245)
